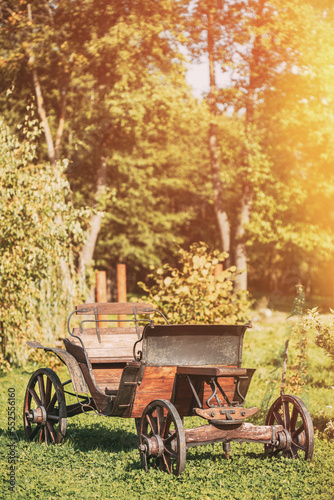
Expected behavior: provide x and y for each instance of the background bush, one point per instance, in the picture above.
(191, 293)
(39, 231)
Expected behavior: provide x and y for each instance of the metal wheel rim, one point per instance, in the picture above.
(157, 419)
(46, 395)
(291, 412)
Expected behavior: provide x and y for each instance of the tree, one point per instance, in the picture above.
(261, 47)
(89, 64)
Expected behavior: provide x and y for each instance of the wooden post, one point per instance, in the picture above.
(121, 289)
(101, 292)
(218, 270)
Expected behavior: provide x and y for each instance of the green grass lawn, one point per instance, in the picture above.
(99, 458)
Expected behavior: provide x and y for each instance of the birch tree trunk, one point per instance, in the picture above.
(87, 252)
(240, 253)
(221, 215)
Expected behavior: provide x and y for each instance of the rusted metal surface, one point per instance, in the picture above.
(193, 345)
(245, 432)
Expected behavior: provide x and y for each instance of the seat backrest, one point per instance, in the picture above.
(104, 344)
(115, 345)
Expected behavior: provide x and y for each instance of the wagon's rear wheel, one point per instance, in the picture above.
(44, 412)
(161, 438)
(292, 413)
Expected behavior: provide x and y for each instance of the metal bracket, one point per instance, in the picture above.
(97, 324)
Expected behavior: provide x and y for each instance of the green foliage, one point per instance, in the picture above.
(193, 294)
(38, 232)
(324, 331)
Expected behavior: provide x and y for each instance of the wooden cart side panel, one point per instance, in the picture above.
(157, 383)
(108, 375)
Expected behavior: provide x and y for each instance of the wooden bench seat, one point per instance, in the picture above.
(115, 344)
(109, 355)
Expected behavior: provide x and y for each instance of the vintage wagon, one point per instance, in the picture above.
(159, 374)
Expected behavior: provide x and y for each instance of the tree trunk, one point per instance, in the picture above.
(221, 215)
(240, 253)
(87, 252)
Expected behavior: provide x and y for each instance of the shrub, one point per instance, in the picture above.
(192, 293)
(38, 230)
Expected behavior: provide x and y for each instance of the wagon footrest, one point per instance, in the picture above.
(226, 414)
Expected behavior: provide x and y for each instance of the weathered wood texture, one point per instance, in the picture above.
(235, 413)
(116, 343)
(157, 383)
(114, 308)
(245, 432)
(108, 376)
(212, 371)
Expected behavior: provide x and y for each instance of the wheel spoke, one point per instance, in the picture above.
(171, 452)
(167, 425)
(299, 446)
(152, 423)
(278, 418)
(160, 420)
(170, 438)
(48, 391)
(51, 431)
(35, 396)
(50, 406)
(34, 432)
(294, 417)
(41, 388)
(46, 433)
(167, 463)
(296, 432)
(286, 415)
(41, 435)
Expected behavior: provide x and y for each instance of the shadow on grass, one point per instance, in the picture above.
(92, 438)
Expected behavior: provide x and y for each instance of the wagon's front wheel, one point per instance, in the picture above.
(44, 412)
(292, 414)
(161, 437)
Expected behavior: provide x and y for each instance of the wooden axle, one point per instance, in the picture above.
(246, 432)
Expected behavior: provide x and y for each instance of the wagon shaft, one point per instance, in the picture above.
(246, 432)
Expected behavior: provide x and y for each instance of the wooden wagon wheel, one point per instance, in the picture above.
(161, 437)
(291, 412)
(44, 412)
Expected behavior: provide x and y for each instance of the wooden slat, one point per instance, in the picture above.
(114, 308)
(115, 348)
(107, 377)
(106, 359)
(107, 332)
(212, 371)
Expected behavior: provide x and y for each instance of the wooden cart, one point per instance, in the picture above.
(159, 374)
